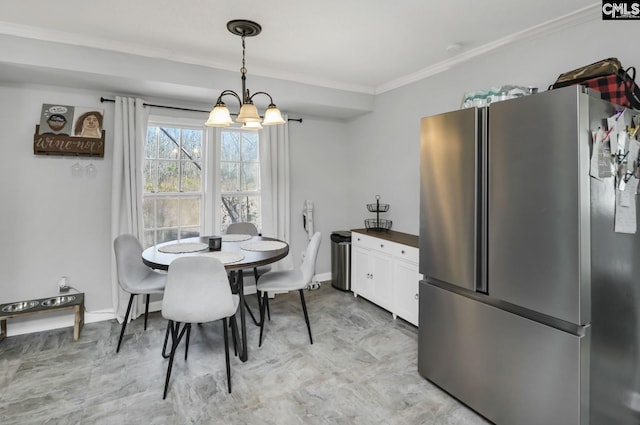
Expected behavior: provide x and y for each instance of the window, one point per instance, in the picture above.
(188, 192)
(239, 178)
(173, 182)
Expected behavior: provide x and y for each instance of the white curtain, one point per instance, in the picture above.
(131, 119)
(275, 186)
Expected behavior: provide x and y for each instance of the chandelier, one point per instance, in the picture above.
(248, 114)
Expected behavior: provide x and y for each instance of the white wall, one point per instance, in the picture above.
(51, 224)
(320, 169)
(386, 143)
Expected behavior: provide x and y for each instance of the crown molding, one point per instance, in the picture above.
(580, 16)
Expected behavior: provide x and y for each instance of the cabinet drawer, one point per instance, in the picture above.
(369, 242)
(406, 252)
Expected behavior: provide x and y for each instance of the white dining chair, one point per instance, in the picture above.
(197, 291)
(290, 280)
(246, 228)
(134, 277)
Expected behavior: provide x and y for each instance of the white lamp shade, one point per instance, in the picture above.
(219, 117)
(248, 113)
(272, 116)
(251, 125)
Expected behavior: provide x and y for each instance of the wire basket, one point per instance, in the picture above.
(378, 207)
(377, 224)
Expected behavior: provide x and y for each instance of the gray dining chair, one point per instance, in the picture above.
(134, 277)
(290, 280)
(246, 228)
(197, 291)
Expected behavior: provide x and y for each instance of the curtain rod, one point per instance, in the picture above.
(103, 99)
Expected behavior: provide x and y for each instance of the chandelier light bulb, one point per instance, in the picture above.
(219, 116)
(251, 125)
(248, 113)
(272, 116)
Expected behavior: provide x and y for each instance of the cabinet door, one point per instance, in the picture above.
(361, 278)
(406, 282)
(381, 270)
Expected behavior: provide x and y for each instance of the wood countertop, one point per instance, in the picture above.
(391, 235)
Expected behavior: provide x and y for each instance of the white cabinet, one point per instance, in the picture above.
(405, 300)
(371, 272)
(386, 273)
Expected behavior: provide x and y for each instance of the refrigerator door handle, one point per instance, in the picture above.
(482, 156)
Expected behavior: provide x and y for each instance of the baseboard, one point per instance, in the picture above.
(322, 277)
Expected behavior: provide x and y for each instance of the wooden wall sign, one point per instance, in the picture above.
(46, 144)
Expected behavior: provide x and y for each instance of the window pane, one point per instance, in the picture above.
(166, 235)
(148, 213)
(230, 147)
(151, 145)
(229, 177)
(189, 232)
(252, 210)
(150, 171)
(192, 144)
(190, 212)
(191, 181)
(240, 208)
(231, 210)
(167, 147)
(168, 176)
(251, 177)
(149, 239)
(167, 212)
(250, 147)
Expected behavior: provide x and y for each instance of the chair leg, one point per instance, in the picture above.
(266, 301)
(176, 336)
(146, 311)
(186, 347)
(166, 338)
(306, 317)
(124, 323)
(234, 334)
(226, 353)
(262, 309)
(256, 276)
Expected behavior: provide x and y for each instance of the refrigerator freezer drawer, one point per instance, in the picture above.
(510, 369)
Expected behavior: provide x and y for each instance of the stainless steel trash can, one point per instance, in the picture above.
(341, 260)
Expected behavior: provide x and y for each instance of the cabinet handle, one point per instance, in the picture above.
(416, 297)
(381, 246)
(403, 251)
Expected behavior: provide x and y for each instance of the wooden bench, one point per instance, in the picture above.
(41, 306)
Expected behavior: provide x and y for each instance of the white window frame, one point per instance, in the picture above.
(217, 158)
(195, 124)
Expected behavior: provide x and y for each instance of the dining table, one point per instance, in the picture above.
(237, 252)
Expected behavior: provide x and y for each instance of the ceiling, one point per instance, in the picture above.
(366, 46)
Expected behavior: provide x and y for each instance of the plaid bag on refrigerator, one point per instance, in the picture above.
(615, 83)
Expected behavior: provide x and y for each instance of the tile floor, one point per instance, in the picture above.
(361, 369)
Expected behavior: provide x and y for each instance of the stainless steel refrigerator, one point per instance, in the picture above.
(529, 304)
